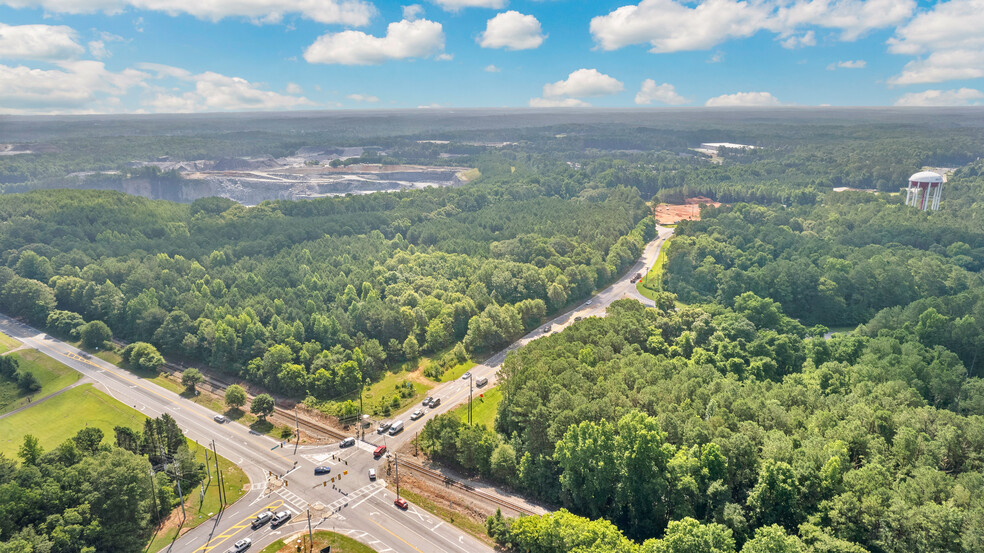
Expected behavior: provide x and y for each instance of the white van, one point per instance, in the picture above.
(481, 382)
(396, 428)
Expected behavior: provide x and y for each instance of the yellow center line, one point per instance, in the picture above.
(394, 535)
(238, 527)
(76, 357)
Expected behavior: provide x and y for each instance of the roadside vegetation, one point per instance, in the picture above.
(322, 538)
(29, 375)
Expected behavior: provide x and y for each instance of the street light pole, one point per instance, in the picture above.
(471, 379)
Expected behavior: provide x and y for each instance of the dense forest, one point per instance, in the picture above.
(87, 496)
(310, 298)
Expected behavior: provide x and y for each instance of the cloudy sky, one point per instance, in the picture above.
(110, 56)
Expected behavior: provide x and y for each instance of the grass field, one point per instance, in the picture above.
(7, 343)
(649, 283)
(322, 539)
(61, 417)
(53, 377)
(456, 371)
(483, 408)
(474, 527)
(389, 386)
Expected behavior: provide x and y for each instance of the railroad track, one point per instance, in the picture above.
(451, 482)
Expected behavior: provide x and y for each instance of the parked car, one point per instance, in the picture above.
(219, 419)
(261, 519)
(383, 427)
(372, 474)
(241, 545)
(380, 451)
(322, 470)
(280, 518)
(401, 503)
(347, 442)
(416, 415)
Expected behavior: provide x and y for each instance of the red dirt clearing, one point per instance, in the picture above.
(668, 214)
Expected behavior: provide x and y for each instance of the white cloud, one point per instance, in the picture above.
(717, 57)
(744, 99)
(455, 5)
(957, 97)
(348, 12)
(950, 39)
(492, 69)
(671, 26)
(513, 31)
(74, 86)
(98, 49)
(38, 42)
(793, 41)
(294, 88)
(362, 98)
(558, 103)
(444, 57)
(662, 94)
(583, 83)
(215, 92)
(404, 39)
(850, 64)
(413, 11)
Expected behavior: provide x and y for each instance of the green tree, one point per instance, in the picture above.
(190, 378)
(30, 451)
(690, 536)
(262, 406)
(235, 396)
(95, 334)
(772, 539)
(775, 497)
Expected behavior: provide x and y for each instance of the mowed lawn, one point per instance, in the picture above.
(485, 404)
(52, 375)
(322, 539)
(7, 343)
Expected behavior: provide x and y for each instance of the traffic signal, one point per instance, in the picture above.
(344, 472)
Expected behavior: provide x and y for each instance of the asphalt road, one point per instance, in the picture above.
(352, 505)
(345, 501)
(454, 393)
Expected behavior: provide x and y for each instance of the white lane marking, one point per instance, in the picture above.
(438, 526)
(361, 501)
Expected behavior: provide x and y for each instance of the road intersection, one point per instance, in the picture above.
(345, 500)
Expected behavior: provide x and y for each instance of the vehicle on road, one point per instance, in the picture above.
(427, 402)
(383, 427)
(401, 503)
(280, 518)
(577, 319)
(261, 519)
(347, 442)
(219, 419)
(241, 545)
(546, 329)
(396, 428)
(372, 474)
(322, 470)
(380, 451)
(587, 302)
(416, 415)
(481, 382)
(466, 376)
(435, 403)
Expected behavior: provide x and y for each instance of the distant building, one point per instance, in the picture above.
(924, 190)
(716, 146)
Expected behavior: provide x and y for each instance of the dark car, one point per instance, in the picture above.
(261, 519)
(322, 470)
(347, 442)
(280, 518)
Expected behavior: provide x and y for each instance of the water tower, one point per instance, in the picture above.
(924, 190)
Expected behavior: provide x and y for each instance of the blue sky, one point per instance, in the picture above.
(105, 56)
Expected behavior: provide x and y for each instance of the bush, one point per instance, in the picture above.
(27, 382)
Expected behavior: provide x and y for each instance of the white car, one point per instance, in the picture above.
(416, 415)
(241, 545)
(372, 474)
(219, 419)
(587, 302)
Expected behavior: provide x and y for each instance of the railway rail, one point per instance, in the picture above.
(451, 482)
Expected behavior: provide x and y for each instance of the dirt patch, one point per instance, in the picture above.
(668, 214)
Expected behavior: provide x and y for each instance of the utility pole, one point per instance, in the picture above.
(396, 460)
(180, 495)
(297, 430)
(153, 491)
(218, 475)
(310, 533)
(471, 380)
(207, 468)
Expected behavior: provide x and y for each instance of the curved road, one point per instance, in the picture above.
(345, 500)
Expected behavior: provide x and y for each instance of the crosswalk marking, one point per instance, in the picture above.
(293, 499)
(378, 484)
